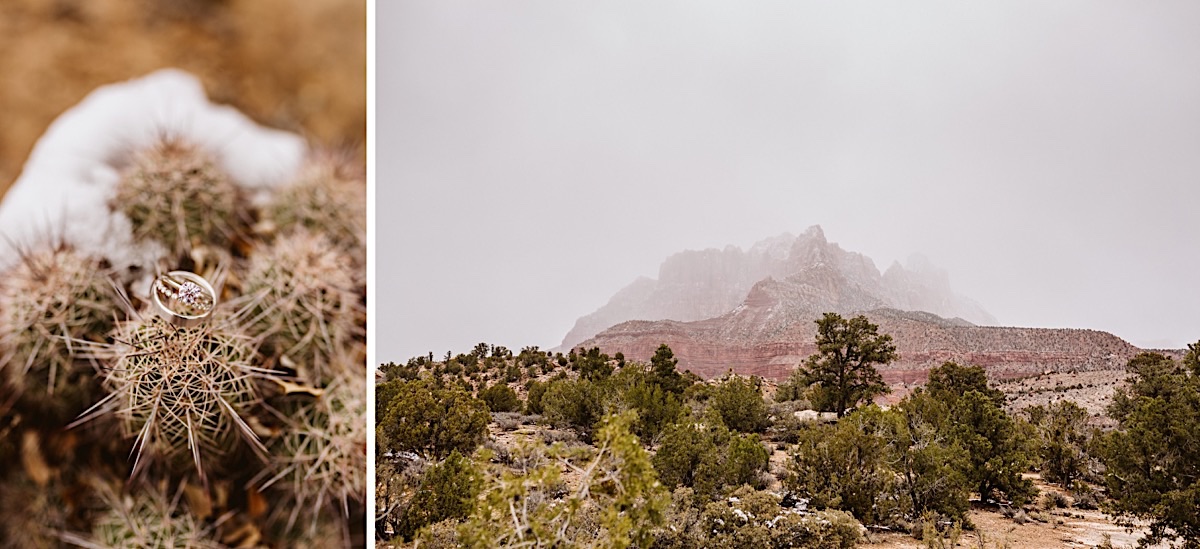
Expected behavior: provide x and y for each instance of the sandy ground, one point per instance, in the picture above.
(999, 532)
(1062, 528)
(299, 66)
(1057, 528)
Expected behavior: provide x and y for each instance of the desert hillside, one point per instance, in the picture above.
(772, 332)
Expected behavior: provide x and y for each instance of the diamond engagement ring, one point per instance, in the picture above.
(184, 298)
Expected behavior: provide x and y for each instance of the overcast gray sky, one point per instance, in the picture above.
(535, 157)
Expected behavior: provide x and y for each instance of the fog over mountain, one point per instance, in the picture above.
(534, 157)
(696, 285)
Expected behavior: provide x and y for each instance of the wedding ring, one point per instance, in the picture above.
(184, 298)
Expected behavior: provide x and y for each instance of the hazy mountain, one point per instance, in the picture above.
(815, 274)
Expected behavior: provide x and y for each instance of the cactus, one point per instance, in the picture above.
(324, 530)
(174, 193)
(149, 517)
(180, 391)
(50, 303)
(169, 454)
(304, 303)
(320, 454)
(328, 196)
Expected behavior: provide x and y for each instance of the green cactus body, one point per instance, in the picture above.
(328, 197)
(174, 194)
(50, 303)
(181, 391)
(150, 517)
(305, 303)
(320, 456)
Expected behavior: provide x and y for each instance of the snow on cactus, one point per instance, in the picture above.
(147, 176)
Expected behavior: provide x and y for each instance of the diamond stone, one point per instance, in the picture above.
(190, 293)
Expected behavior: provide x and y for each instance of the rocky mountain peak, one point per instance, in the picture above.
(793, 274)
(753, 311)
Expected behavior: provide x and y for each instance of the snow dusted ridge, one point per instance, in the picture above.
(69, 178)
(814, 274)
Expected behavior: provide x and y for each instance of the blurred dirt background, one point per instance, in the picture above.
(293, 65)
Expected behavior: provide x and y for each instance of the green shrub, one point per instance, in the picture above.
(404, 372)
(998, 448)
(535, 390)
(1152, 459)
(440, 535)
(426, 419)
(447, 491)
(953, 381)
(846, 466)
(740, 404)
(754, 519)
(500, 398)
(793, 388)
(829, 529)
(593, 365)
(634, 389)
(928, 460)
(1062, 441)
(708, 458)
(577, 404)
(663, 368)
(617, 504)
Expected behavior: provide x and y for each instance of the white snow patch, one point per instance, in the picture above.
(65, 185)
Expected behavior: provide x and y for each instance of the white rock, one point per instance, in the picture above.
(807, 415)
(813, 415)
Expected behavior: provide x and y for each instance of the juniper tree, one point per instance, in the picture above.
(1063, 442)
(999, 446)
(846, 466)
(500, 398)
(705, 455)
(429, 420)
(955, 380)
(842, 374)
(740, 404)
(1152, 459)
(448, 490)
(663, 366)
